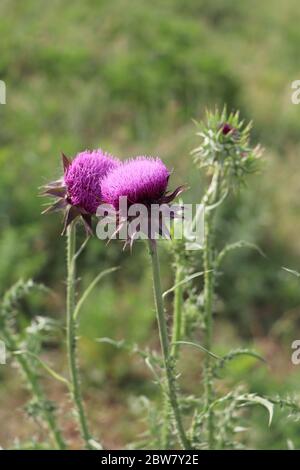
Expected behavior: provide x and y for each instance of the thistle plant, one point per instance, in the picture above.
(94, 178)
(78, 194)
(40, 406)
(144, 180)
(226, 153)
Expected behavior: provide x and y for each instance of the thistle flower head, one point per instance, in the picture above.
(78, 192)
(225, 143)
(83, 178)
(144, 181)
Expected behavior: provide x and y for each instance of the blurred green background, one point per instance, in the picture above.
(129, 76)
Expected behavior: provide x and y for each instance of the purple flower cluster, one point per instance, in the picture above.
(94, 177)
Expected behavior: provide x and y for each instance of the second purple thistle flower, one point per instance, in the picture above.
(142, 180)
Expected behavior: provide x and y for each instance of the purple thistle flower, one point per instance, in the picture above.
(143, 180)
(83, 178)
(79, 190)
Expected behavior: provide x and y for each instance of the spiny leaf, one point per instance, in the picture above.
(198, 346)
(252, 398)
(184, 281)
(18, 291)
(147, 356)
(49, 369)
(235, 353)
(237, 245)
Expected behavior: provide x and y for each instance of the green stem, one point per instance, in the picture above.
(209, 284)
(208, 300)
(178, 303)
(72, 337)
(48, 414)
(176, 336)
(166, 428)
(164, 341)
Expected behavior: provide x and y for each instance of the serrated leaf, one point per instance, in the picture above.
(257, 399)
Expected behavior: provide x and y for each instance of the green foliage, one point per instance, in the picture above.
(129, 76)
(24, 346)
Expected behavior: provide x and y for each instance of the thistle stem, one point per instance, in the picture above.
(209, 284)
(208, 300)
(164, 341)
(166, 428)
(72, 337)
(36, 389)
(178, 303)
(176, 336)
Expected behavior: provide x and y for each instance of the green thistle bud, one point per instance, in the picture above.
(225, 143)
